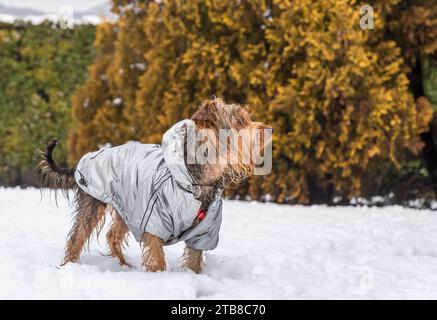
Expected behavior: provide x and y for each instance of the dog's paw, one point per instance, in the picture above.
(155, 267)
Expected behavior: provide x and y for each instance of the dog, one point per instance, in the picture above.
(161, 194)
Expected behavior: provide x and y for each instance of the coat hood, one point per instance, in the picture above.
(173, 150)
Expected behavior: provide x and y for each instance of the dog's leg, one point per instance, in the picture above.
(153, 253)
(89, 217)
(193, 259)
(116, 236)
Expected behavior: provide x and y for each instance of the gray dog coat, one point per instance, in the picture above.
(150, 187)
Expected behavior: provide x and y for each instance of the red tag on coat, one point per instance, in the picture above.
(201, 214)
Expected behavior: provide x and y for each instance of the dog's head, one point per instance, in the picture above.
(229, 145)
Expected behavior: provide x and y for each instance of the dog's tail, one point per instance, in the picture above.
(53, 176)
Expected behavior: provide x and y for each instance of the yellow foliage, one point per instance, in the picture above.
(337, 96)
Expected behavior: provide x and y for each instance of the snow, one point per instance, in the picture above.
(53, 5)
(90, 19)
(117, 101)
(8, 18)
(266, 251)
(54, 18)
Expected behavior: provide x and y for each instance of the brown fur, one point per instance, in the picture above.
(52, 176)
(153, 253)
(193, 259)
(90, 213)
(214, 114)
(117, 237)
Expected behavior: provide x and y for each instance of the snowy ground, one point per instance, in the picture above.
(266, 251)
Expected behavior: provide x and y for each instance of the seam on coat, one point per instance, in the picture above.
(168, 176)
(98, 153)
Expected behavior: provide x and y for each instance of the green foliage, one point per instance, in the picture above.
(40, 68)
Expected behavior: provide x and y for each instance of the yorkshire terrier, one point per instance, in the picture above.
(161, 193)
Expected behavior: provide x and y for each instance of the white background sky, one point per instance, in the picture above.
(52, 6)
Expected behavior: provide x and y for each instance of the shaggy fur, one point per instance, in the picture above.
(153, 253)
(117, 237)
(90, 213)
(193, 259)
(52, 176)
(89, 218)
